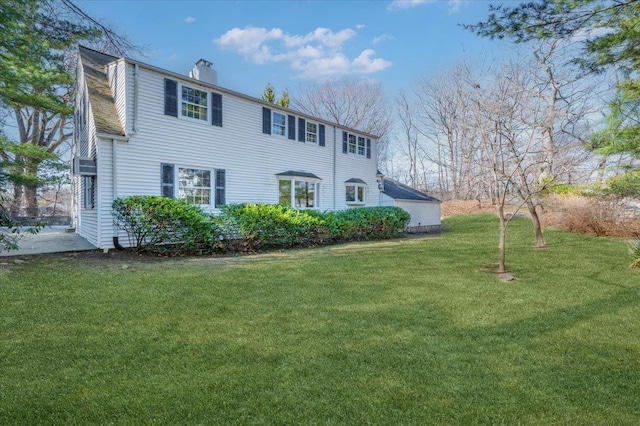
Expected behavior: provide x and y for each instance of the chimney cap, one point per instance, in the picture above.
(204, 62)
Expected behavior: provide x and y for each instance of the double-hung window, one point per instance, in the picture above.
(193, 185)
(361, 145)
(184, 101)
(352, 144)
(279, 123)
(194, 103)
(312, 132)
(89, 191)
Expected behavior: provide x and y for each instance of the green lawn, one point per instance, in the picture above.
(413, 331)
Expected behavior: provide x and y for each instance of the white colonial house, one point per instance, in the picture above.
(141, 130)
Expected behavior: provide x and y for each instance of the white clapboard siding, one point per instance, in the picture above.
(250, 158)
(116, 72)
(88, 226)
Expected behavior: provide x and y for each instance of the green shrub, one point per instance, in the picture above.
(367, 223)
(270, 225)
(626, 185)
(165, 225)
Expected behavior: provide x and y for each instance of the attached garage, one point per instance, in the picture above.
(424, 209)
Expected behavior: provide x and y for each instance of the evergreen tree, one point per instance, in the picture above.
(284, 99)
(269, 94)
(37, 42)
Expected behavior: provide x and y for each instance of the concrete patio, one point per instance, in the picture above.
(53, 239)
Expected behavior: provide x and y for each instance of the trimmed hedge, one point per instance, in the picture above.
(271, 225)
(164, 225)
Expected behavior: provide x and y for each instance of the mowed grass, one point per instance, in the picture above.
(412, 331)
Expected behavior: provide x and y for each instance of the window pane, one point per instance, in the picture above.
(279, 124)
(361, 194)
(194, 185)
(351, 193)
(312, 132)
(285, 193)
(301, 194)
(311, 194)
(360, 145)
(352, 144)
(194, 103)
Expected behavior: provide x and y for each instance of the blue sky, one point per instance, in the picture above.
(288, 43)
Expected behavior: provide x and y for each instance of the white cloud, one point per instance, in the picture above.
(172, 57)
(406, 4)
(381, 38)
(360, 26)
(316, 55)
(454, 5)
(189, 19)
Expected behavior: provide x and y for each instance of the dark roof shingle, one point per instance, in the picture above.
(101, 99)
(399, 191)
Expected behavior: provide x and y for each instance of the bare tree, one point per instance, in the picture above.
(443, 111)
(352, 103)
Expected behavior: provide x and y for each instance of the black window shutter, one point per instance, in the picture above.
(220, 188)
(266, 120)
(216, 109)
(302, 130)
(291, 120)
(368, 148)
(170, 97)
(344, 142)
(321, 135)
(167, 180)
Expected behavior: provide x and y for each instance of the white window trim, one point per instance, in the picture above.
(89, 192)
(293, 181)
(207, 119)
(176, 180)
(356, 202)
(273, 124)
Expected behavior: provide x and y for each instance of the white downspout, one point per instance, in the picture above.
(114, 177)
(334, 168)
(134, 119)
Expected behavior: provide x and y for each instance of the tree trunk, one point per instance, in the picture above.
(31, 198)
(502, 245)
(537, 226)
(16, 203)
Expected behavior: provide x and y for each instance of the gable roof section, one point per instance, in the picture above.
(101, 99)
(399, 191)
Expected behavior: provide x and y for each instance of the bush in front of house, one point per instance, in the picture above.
(165, 225)
(271, 225)
(367, 223)
(157, 224)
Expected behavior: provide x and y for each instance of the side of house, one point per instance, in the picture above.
(424, 210)
(153, 132)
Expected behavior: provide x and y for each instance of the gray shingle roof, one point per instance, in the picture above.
(399, 191)
(100, 96)
(294, 173)
(355, 180)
